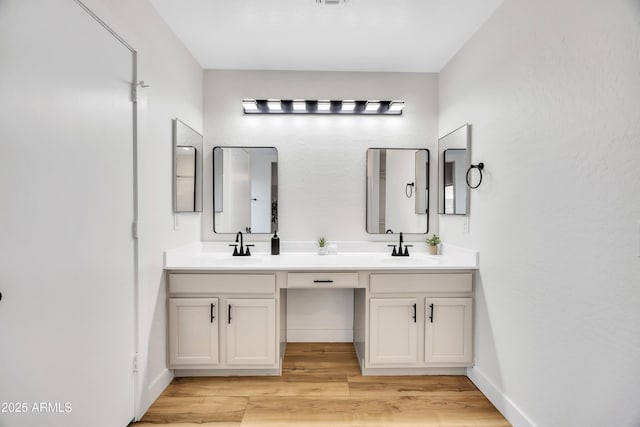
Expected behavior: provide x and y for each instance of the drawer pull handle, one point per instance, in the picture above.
(415, 313)
(431, 313)
(213, 315)
(323, 281)
(229, 320)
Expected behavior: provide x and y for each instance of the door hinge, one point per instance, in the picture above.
(134, 230)
(135, 363)
(134, 90)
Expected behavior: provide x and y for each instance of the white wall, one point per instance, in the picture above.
(552, 89)
(321, 161)
(175, 90)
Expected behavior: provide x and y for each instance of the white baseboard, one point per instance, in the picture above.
(506, 406)
(152, 392)
(319, 335)
(382, 372)
(240, 372)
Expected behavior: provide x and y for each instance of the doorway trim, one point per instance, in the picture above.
(134, 223)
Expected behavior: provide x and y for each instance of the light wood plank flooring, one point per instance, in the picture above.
(321, 386)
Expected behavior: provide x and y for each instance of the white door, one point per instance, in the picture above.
(193, 331)
(251, 331)
(448, 331)
(393, 331)
(66, 250)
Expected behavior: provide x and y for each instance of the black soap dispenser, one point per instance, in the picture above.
(275, 244)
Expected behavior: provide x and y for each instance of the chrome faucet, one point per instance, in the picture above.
(242, 251)
(399, 251)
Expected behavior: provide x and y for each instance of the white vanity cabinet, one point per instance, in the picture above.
(193, 331)
(229, 317)
(416, 323)
(251, 331)
(223, 324)
(448, 331)
(393, 337)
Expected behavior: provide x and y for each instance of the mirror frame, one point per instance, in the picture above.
(428, 188)
(195, 142)
(275, 217)
(442, 147)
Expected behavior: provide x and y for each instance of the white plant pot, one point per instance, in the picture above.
(323, 250)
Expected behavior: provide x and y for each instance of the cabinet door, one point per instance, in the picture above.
(448, 331)
(193, 331)
(393, 331)
(251, 331)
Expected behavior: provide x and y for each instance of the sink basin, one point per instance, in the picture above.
(244, 260)
(231, 260)
(410, 260)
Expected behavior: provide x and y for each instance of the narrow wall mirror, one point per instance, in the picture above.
(454, 155)
(187, 168)
(245, 189)
(397, 190)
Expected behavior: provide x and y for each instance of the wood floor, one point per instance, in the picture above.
(321, 386)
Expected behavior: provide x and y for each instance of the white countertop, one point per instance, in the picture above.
(196, 257)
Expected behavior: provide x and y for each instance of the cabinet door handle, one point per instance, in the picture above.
(323, 281)
(213, 315)
(229, 314)
(415, 313)
(431, 313)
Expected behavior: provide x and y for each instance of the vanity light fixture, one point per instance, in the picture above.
(348, 106)
(396, 107)
(250, 106)
(274, 105)
(372, 107)
(323, 106)
(299, 106)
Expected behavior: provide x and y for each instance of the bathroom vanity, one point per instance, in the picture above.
(412, 316)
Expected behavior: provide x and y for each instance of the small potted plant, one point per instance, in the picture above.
(433, 243)
(322, 246)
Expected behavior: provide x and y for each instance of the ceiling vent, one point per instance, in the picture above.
(332, 2)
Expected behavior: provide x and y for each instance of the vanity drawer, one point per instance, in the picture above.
(201, 283)
(417, 283)
(322, 280)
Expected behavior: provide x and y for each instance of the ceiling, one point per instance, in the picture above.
(358, 35)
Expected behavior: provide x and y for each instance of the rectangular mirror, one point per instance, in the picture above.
(453, 162)
(397, 190)
(187, 168)
(245, 189)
